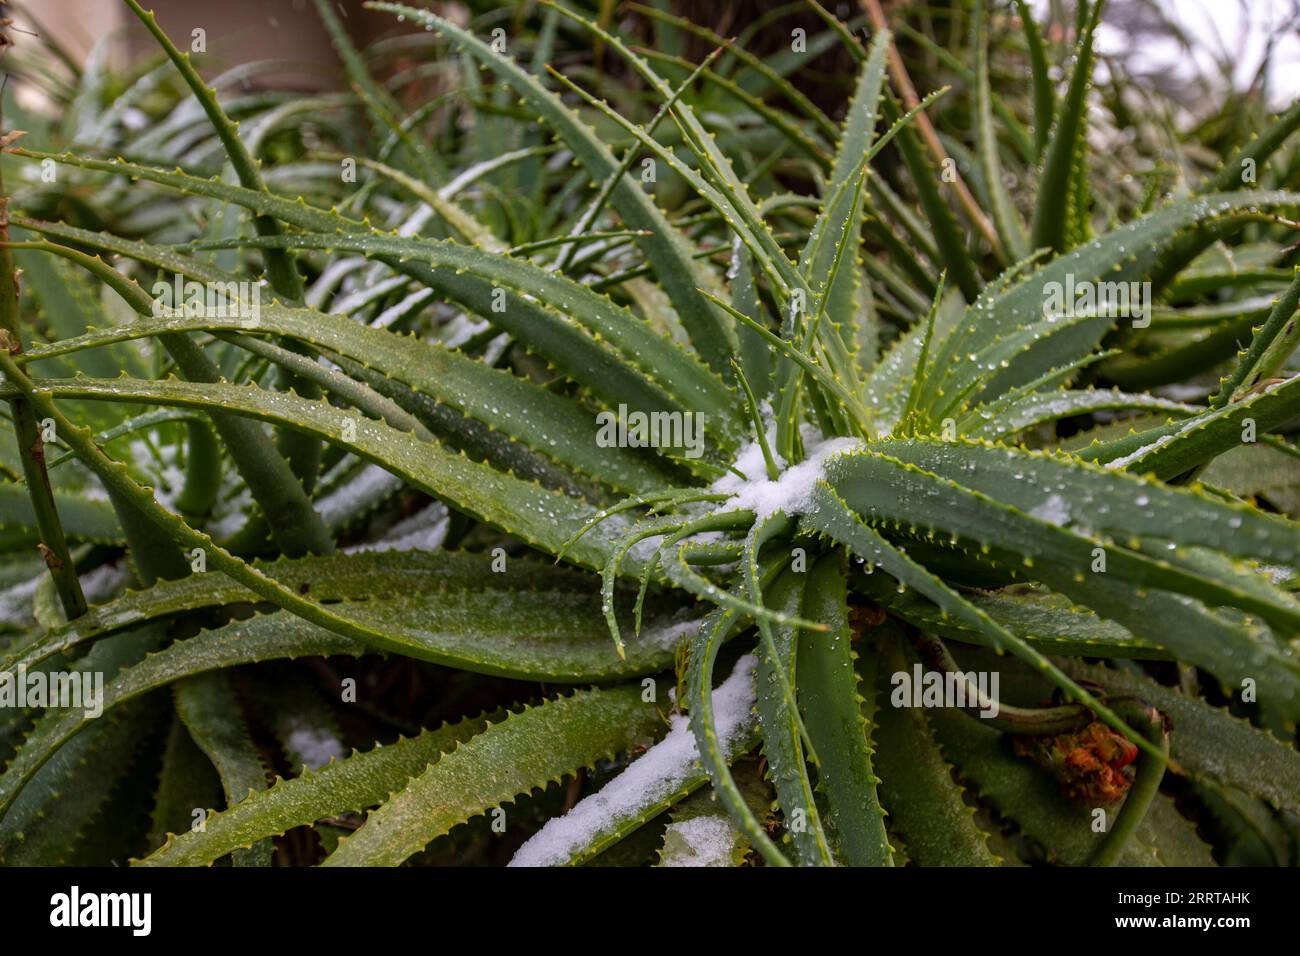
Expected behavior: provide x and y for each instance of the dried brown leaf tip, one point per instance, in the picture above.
(864, 616)
(51, 559)
(6, 41)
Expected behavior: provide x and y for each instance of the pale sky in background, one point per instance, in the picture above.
(1242, 27)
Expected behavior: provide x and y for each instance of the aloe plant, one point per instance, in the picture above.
(647, 473)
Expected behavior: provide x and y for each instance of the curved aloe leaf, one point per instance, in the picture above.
(1136, 247)
(262, 638)
(526, 750)
(649, 785)
(532, 622)
(782, 743)
(541, 517)
(540, 419)
(350, 785)
(712, 336)
(207, 706)
(1210, 743)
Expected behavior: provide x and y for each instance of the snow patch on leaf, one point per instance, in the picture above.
(791, 492)
(650, 779)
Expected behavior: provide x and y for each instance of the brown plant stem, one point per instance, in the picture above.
(31, 445)
(903, 83)
(1010, 719)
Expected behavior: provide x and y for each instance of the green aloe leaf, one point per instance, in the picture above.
(1005, 216)
(86, 518)
(840, 216)
(1178, 447)
(840, 721)
(539, 516)
(663, 244)
(782, 744)
(833, 515)
(1039, 408)
(532, 621)
(545, 422)
(350, 785)
(262, 638)
(1043, 88)
(1056, 210)
(712, 743)
(209, 709)
(924, 802)
(653, 782)
(526, 750)
(1210, 743)
(1135, 247)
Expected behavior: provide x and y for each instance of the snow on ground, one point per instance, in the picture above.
(701, 841)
